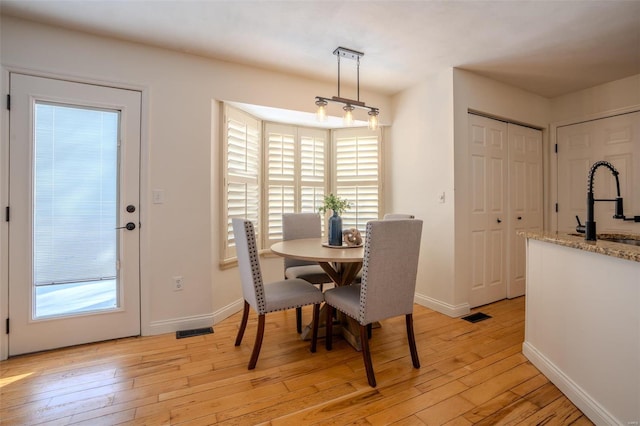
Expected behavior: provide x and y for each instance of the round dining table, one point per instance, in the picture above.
(342, 264)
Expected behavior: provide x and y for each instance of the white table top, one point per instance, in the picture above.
(312, 249)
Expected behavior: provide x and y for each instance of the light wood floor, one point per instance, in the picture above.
(471, 374)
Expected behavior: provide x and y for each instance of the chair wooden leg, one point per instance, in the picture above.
(314, 327)
(328, 328)
(412, 341)
(366, 356)
(299, 320)
(369, 330)
(258, 343)
(243, 323)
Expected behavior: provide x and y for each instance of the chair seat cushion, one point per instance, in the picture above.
(311, 273)
(288, 294)
(346, 299)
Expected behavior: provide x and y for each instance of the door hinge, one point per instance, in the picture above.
(556, 207)
(9, 102)
(7, 214)
(556, 148)
(7, 325)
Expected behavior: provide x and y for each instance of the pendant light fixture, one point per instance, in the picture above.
(349, 104)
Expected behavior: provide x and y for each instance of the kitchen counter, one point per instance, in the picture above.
(582, 322)
(619, 250)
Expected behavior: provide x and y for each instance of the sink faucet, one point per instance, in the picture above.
(590, 223)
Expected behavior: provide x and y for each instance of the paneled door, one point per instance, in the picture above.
(614, 139)
(488, 146)
(74, 213)
(505, 197)
(525, 199)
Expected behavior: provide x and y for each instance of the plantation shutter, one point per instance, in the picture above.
(295, 173)
(242, 172)
(313, 170)
(281, 176)
(357, 175)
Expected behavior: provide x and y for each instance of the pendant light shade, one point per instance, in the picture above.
(321, 113)
(373, 119)
(348, 115)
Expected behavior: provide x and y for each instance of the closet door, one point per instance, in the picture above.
(505, 197)
(488, 216)
(525, 199)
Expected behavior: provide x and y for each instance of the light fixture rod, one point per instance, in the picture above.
(338, 56)
(350, 54)
(358, 78)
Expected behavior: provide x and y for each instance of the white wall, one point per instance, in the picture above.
(596, 101)
(419, 169)
(180, 155)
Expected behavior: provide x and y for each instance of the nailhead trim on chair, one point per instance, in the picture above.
(255, 267)
(365, 267)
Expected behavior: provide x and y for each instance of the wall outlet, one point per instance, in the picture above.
(178, 284)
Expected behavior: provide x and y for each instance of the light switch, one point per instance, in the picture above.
(158, 196)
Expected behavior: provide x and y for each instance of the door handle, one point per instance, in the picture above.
(519, 217)
(499, 220)
(129, 226)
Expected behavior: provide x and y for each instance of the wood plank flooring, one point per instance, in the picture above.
(471, 374)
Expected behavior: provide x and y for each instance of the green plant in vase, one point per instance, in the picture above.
(338, 206)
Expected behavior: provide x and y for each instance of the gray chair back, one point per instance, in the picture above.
(249, 264)
(390, 267)
(296, 226)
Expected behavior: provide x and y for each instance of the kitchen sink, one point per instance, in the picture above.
(630, 241)
(614, 238)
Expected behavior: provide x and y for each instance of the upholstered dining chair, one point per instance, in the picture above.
(397, 216)
(270, 297)
(390, 266)
(296, 226)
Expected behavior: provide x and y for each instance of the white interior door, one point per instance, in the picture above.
(614, 139)
(74, 179)
(488, 216)
(525, 199)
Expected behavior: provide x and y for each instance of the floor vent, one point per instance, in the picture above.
(477, 317)
(195, 332)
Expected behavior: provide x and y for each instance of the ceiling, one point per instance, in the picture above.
(546, 47)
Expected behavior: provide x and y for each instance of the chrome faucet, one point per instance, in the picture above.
(590, 223)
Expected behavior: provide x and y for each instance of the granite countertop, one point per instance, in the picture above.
(620, 250)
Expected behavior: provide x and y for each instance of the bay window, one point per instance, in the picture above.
(273, 168)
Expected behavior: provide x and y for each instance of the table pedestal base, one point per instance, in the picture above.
(344, 325)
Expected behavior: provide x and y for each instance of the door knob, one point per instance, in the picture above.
(519, 217)
(129, 226)
(499, 220)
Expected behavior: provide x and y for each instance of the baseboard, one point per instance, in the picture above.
(226, 311)
(175, 324)
(590, 407)
(453, 311)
